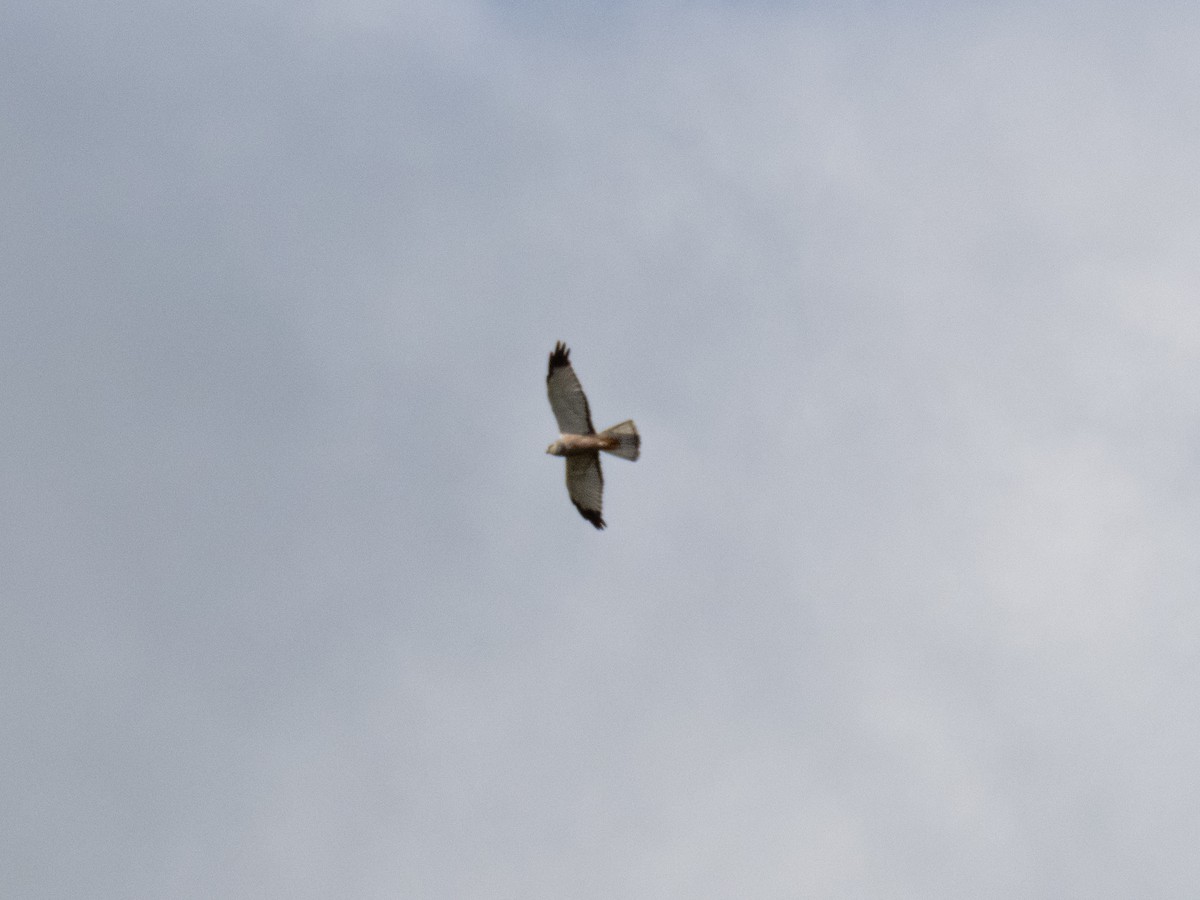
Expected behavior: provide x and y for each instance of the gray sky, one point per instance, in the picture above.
(900, 601)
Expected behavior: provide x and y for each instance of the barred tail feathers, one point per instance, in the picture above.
(628, 443)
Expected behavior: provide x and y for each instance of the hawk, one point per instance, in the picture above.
(578, 441)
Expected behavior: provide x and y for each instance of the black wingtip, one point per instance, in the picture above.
(559, 358)
(592, 516)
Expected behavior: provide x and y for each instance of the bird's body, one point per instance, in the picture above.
(578, 441)
(576, 444)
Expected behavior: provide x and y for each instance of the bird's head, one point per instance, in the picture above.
(556, 449)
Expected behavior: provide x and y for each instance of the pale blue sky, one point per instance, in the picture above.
(900, 601)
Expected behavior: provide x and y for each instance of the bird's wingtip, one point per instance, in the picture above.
(559, 358)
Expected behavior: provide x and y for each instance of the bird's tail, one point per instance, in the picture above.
(627, 444)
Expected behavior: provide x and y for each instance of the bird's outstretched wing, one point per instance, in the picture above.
(585, 484)
(567, 399)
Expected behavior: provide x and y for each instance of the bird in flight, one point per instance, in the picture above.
(578, 441)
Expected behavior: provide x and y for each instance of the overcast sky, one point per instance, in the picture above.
(901, 600)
